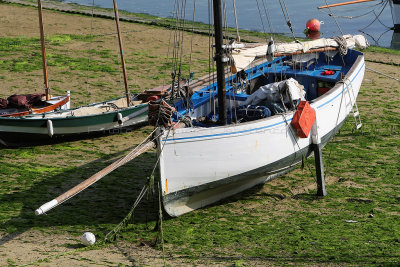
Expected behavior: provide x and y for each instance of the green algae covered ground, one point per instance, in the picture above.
(280, 223)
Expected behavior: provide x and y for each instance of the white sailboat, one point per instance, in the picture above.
(202, 164)
(243, 129)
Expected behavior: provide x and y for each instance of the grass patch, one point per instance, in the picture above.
(280, 223)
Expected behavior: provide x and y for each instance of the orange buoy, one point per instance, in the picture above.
(313, 25)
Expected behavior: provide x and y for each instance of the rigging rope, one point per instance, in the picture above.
(287, 18)
(342, 45)
(355, 9)
(377, 17)
(266, 10)
(262, 21)
(337, 23)
(236, 22)
(90, 55)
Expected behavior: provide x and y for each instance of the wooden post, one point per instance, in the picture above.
(319, 167)
(121, 50)
(45, 76)
(319, 164)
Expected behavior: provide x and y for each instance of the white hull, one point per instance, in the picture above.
(199, 166)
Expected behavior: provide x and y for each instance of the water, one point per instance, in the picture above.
(378, 32)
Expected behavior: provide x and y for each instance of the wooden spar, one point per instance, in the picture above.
(46, 79)
(344, 3)
(121, 50)
(219, 57)
(96, 177)
(308, 52)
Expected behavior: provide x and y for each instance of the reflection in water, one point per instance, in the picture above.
(395, 44)
(313, 35)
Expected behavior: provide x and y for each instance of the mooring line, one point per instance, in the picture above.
(381, 73)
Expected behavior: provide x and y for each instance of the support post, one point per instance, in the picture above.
(319, 164)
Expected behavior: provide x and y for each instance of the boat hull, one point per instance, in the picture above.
(199, 166)
(55, 126)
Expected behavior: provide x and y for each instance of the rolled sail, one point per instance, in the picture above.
(243, 57)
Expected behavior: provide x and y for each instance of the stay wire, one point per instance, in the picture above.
(287, 17)
(262, 21)
(191, 54)
(90, 54)
(336, 123)
(337, 23)
(168, 52)
(183, 10)
(266, 10)
(377, 17)
(355, 9)
(236, 21)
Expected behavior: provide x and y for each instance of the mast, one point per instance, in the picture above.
(121, 50)
(46, 78)
(219, 59)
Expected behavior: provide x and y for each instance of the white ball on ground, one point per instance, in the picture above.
(88, 239)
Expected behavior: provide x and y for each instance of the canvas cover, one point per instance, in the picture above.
(24, 101)
(270, 93)
(243, 57)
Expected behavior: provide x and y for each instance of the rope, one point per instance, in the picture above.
(266, 10)
(160, 113)
(112, 235)
(377, 17)
(342, 45)
(287, 18)
(236, 21)
(336, 123)
(388, 76)
(90, 55)
(337, 23)
(187, 96)
(168, 53)
(262, 21)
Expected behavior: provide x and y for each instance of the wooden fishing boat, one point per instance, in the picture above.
(56, 102)
(107, 117)
(110, 116)
(50, 103)
(201, 165)
(239, 137)
(251, 126)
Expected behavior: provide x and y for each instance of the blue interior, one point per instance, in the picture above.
(278, 70)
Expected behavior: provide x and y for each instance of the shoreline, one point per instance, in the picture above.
(141, 18)
(279, 223)
(249, 36)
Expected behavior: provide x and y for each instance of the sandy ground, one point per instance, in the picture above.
(55, 249)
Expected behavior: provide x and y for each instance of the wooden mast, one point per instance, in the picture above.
(219, 58)
(45, 76)
(121, 50)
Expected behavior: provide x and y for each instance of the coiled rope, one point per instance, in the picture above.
(343, 49)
